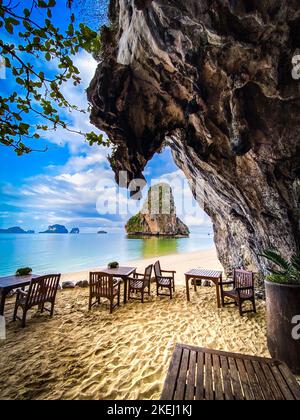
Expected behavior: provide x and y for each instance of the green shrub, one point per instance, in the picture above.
(113, 264)
(24, 271)
(134, 224)
(283, 271)
(278, 278)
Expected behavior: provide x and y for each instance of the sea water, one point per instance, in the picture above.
(54, 253)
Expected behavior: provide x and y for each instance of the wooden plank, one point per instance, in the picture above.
(219, 394)
(200, 376)
(248, 394)
(226, 354)
(281, 382)
(226, 379)
(253, 381)
(204, 274)
(191, 379)
(209, 392)
(271, 381)
(13, 282)
(264, 385)
(290, 380)
(220, 375)
(237, 389)
(182, 376)
(171, 379)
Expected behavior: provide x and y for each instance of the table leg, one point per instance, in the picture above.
(195, 284)
(187, 288)
(2, 302)
(125, 279)
(218, 292)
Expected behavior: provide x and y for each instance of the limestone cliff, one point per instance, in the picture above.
(213, 79)
(56, 229)
(75, 231)
(158, 215)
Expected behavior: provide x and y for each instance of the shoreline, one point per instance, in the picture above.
(180, 262)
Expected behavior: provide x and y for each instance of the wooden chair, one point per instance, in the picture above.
(104, 286)
(139, 283)
(41, 290)
(164, 280)
(242, 290)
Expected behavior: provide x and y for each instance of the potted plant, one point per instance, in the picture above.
(113, 264)
(283, 308)
(23, 271)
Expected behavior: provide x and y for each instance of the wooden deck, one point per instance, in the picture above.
(201, 374)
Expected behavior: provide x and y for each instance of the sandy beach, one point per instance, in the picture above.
(94, 355)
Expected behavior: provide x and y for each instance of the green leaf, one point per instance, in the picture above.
(9, 27)
(42, 4)
(276, 258)
(20, 81)
(47, 42)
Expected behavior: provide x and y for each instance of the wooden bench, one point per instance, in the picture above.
(201, 374)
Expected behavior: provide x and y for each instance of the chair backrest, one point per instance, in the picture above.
(157, 269)
(243, 278)
(43, 289)
(101, 284)
(148, 272)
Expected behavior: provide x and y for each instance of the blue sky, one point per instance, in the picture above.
(62, 184)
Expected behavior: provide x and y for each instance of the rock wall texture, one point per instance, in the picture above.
(158, 215)
(213, 79)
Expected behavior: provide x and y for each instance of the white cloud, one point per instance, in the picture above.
(76, 95)
(69, 193)
(92, 157)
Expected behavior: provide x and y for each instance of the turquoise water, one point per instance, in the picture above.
(64, 253)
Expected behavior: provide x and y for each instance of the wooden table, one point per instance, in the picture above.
(201, 374)
(121, 273)
(7, 284)
(203, 274)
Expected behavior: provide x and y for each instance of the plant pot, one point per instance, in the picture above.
(283, 333)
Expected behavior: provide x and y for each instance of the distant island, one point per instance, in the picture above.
(75, 231)
(158, 216)
(56, 229)
(16, 229)
(101, 232)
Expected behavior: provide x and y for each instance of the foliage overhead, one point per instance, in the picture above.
(34, 102)
(283, 271)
